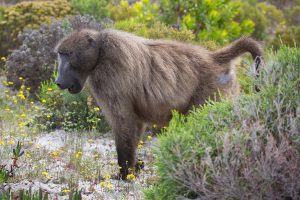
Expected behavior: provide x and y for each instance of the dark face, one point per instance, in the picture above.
(77, 56)
(68, 77)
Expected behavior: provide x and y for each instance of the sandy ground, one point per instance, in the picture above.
(49, 142)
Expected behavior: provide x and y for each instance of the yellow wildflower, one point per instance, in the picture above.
(109, 187)
(91, 141)
(28, 155)
(20, 78)
(130, 177)
(139, 146)
(11, 142)
(154, 126)
(45, 173)
(149, 137)
(1, 142)
(54, 153)
(3, 58)
(49, 89)
(44, 101)
(96, 108)
(102, 184)
(66, 191)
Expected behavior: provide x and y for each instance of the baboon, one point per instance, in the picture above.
(138, 81)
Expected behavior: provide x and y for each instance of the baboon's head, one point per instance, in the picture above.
(78, 55)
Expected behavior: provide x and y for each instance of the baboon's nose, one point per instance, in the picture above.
(58, 84)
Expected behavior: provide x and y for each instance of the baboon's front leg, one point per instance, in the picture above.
(127, 138)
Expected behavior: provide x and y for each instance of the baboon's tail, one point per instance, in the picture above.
(239, 47)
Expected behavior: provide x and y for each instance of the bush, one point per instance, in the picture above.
(63, 110)
(28, 15)
(34, 59)
(293, 17)
(95, 8)
(286, 36)
(155, 31)
(143, 11)
(246, 149)
(209, 20)
(266, 17)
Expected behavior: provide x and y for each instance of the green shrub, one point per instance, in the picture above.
(34, 60)
(155, 31)
(293, 16)
(28, 15)
(266, 17)
(245, 149)
(122, 11)
(209, 19)
(95, 8)
(67, 111)
(143, 11)
(286, 36)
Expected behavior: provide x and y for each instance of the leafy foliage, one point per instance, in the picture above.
(34, 60)
(287, 36)
(5, 172)
(28, 15)
(70, 112)
(95, 8)
(246, 149)
(155, 31)
(143, 11)
(209, 19)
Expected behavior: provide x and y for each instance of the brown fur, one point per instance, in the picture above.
(139, 81)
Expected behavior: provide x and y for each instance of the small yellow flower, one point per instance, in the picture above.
(28, 88)
(139, 146)
(44, 101)
(140, 162)
(28, 155)
(66, 191)
(109, 187)
(11, 142)
(10, 83)
(91, 141)
(45, 173)
(120, 167)
(130, 177)
(54, 153)
(20, 78)
(154, 126)
(1, 142)
(3, 58)
(149, 137)
(102, 184)
(96, 108)
(49, 89)
(23, 115)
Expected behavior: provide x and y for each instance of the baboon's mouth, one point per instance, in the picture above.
(74, 90)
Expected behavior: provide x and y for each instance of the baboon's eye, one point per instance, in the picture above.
(65, 53)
